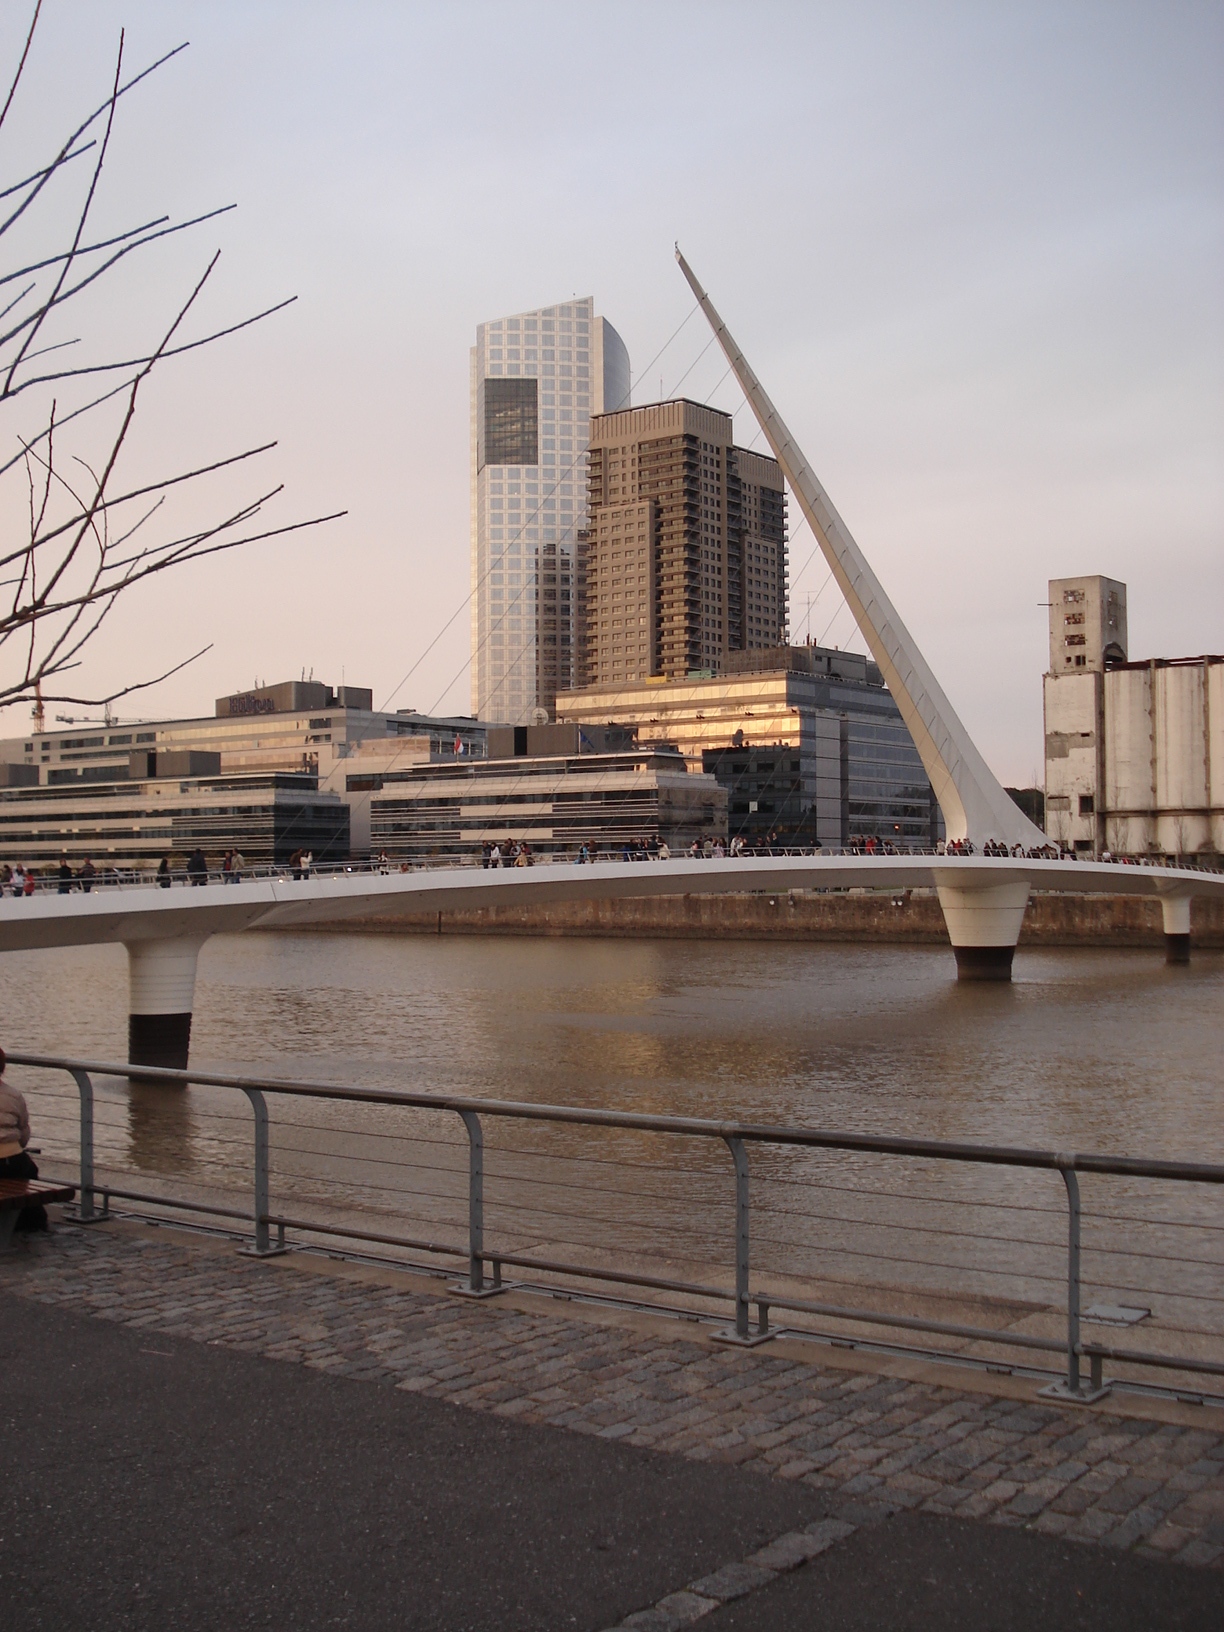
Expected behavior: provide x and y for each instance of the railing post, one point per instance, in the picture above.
(474, 1286)
(1073, 1279)
(1072, 1388)
(263, 1247)
(739, 1333)
(86, 1212)
(475, 1201)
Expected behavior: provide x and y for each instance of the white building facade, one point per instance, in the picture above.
(536, 379)
(1134, 752)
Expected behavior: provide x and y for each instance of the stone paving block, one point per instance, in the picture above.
(1201, 1552)
(1092, 1525)
(786, 1553)
(732, 1581)
(1053, 1524)
(686, 1607)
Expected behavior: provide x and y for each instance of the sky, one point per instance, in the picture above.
(975, 253)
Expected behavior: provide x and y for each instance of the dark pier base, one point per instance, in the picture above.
(159, 1039)
(1177, 949)
(984, 962)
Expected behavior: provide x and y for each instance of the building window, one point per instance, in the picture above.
(1087, 804)
(511, 422)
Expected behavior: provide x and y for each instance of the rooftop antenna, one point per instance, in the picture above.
(39, 713)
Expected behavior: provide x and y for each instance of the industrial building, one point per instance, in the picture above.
(684, 558)
(536, 379)
(1134, 751)
(849, 770)
(553, 788)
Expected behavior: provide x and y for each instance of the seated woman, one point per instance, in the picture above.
(15, 1163)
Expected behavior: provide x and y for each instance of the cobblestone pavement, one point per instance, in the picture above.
(869, 1443)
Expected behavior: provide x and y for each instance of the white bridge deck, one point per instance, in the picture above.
(143, 912)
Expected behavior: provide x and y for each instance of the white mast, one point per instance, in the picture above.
(974, 804)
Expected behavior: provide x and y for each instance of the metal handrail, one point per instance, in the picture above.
(707, 1127)
(121, 878)
(736, 1136)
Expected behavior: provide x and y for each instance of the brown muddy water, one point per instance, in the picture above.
(1087, 1050)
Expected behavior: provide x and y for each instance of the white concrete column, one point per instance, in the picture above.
(1175, 910)
(161, 988)
(984, 925)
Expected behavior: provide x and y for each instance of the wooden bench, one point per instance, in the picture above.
(18, 1193)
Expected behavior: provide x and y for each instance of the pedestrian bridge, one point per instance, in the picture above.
(983, 900)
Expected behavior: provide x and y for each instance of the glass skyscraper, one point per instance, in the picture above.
(536, 379)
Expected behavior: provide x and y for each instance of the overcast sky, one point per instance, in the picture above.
(973, 251)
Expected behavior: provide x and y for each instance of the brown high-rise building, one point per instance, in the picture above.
(684, 557)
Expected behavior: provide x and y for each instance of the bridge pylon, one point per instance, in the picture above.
(161, 996)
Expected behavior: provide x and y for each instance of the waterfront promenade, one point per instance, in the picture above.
(419, 1460)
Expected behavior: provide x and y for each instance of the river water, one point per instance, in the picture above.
(1087, 1050)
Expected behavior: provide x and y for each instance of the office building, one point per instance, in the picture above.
(332, 734)
(167, 804)
(536, 379)
(807, 742)
(1134, 751)
(684, 557)
(584, 788)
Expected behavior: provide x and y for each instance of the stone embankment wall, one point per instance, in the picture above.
(912, 917)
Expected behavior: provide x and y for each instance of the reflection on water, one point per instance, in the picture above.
(162, 1128)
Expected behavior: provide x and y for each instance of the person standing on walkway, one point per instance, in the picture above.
(65, 876)
(87, 875)
(163, 873)
(15, 1162)
(237, 867)
(197, 867)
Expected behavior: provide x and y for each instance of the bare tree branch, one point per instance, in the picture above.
(124, 691)
(90, 542)
(62, 157)
(152, 357)
(25, 52)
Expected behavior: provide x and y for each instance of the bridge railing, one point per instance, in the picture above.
(1001, 1257)
(108, 877)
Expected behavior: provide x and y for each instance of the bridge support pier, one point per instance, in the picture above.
(161, 983)
(984, 926)
(1176, 912)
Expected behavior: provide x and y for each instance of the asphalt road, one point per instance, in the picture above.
(158, 1483)
(154, 1482)
(918, 1572)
